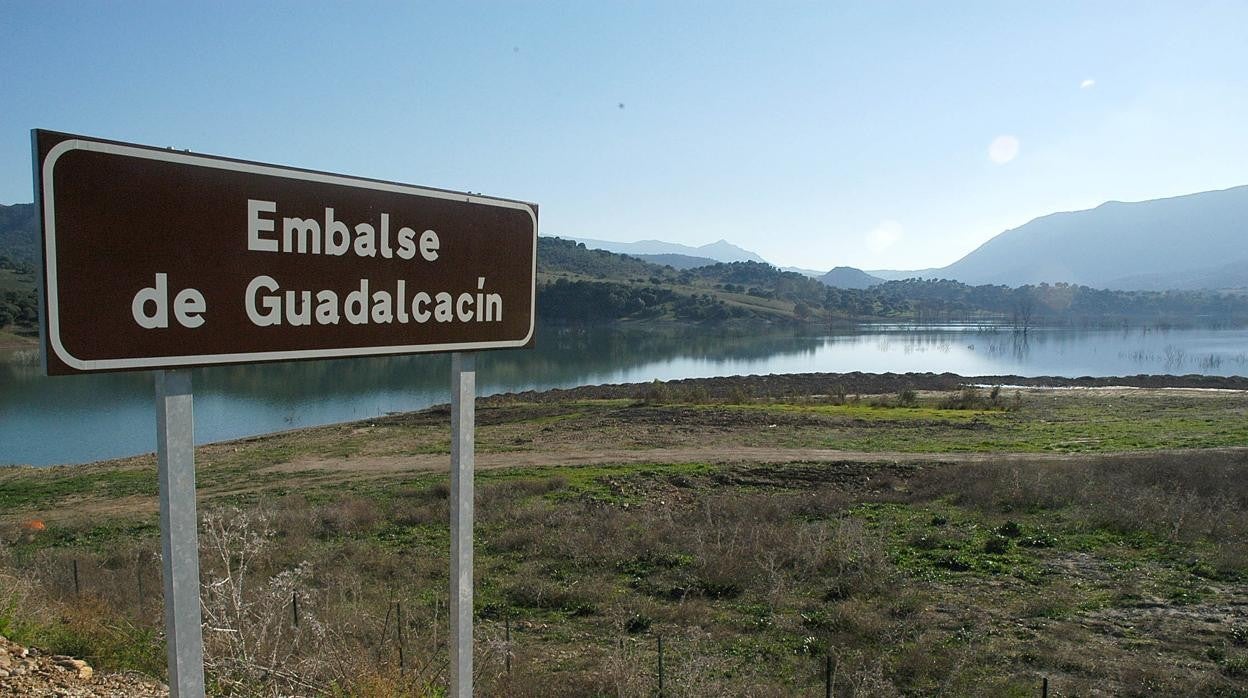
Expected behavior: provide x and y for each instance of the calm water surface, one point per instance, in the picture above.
(78, 419)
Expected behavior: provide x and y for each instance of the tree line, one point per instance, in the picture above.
(18, 307)
(913, 300)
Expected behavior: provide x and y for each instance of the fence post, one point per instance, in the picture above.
(827, 676)
(660, 666)
(138, 580)
(77, 589)
(385, 626)
(399, 626)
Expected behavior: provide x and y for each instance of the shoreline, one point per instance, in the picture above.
(755, 387)
(859, 383)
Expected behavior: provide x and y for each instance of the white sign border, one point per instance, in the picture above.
(158, 362)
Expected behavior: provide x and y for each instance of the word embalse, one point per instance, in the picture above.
(267, 304)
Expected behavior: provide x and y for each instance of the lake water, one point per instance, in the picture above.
(83, 418)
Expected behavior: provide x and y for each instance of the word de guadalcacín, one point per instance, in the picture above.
(268, 304)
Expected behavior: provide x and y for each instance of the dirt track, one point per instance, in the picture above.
(364, 467)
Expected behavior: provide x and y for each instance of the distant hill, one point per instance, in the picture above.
(1148, 244)
(677, 261)
(901, 274)
(557, 255)
(19, 233)
(812, 273)
(849, 277)
(579, 284)
(720, 251)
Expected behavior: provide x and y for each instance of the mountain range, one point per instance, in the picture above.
(720, 251)
(1192, 242)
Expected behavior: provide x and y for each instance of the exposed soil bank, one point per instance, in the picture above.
(784, 385)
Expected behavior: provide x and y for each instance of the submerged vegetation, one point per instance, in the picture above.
(982, 540)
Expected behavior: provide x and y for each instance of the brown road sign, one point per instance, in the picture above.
(158, 258)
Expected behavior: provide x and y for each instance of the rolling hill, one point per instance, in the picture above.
(849, 277)
(677, 261)
(19, 233)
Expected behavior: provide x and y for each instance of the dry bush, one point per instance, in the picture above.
(346, 640)
(927, 663)
(820, 504)
(655, 392)
(251, 640)
(347, 516)
(858, 674)
(530, 588)
(86, 626)
(758, 542)
(506, 501)
(697, 394)
(126, 579)
(18, 608)
(419, 511)
(621, 670)
(294, 520)
(373, 683)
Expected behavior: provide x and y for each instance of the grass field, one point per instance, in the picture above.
(921, 544)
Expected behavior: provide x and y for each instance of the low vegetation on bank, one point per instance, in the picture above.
(970, 542)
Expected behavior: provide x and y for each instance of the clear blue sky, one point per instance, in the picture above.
(816, 134)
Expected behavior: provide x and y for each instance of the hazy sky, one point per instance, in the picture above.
(873, 134)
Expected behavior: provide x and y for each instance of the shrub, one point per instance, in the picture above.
(1010, 529)
(348, 516)
(739, 395)
(637, 623)
(997, 545)
(656, 392)
(839, 393)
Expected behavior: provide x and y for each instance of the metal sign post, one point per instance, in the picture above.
(463, 434)
(205, 264)
(179, 536)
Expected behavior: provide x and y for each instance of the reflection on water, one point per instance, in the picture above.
(75, 419)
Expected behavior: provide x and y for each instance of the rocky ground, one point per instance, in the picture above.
(25, 671)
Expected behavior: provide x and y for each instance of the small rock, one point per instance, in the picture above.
(81, 668)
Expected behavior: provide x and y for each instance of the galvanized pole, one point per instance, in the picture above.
(179, 536)
(463, 433)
